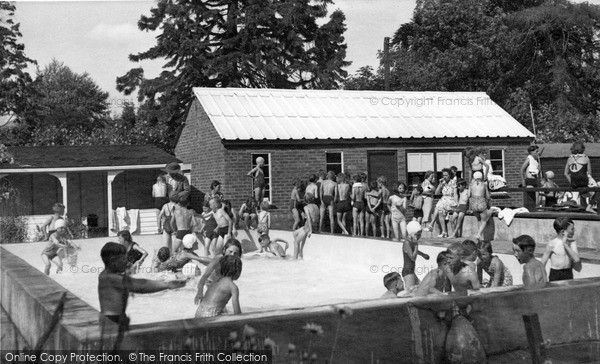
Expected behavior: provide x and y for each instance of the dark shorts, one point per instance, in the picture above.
(343, 206)
(531, 182)
(181, 233)
(327, 200)
(418, 213)
(222, 231)
(359, 205)
(560, 274)
(462, 208)
(51, 255)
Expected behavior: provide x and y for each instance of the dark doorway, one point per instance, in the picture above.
(383, 163)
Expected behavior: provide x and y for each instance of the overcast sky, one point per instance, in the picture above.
(97, 37)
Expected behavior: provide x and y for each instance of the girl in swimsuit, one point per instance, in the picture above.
(135, 253)
(397, 204)
(384, 218)
(295, 199)
(311, 210)
(212, 272)
(374, 207)
(259, 179)
(578, 170)
(343, 205)
(358, 206)
(499, 274)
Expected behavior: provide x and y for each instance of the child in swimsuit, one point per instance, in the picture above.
(224, 221)
(374, 203)
(248, 212)
(394, 284)
(397, 204)
(312, 220)
(48, 228)
(358, 206)
(212, 272)
(259, 179)
(56, 243)
(578, 171)
(328, 190)
(264, 219)
(461, 210)
(135, 253)
(479, 197)
(220, 292)
(182, 223)
(417, 203)
(295, 200)
(384, 218)
(343, 205)
(499, 274)
(410, 250)
(271, 246)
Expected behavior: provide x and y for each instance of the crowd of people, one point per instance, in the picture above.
(374, 210)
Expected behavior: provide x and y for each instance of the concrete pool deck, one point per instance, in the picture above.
(387, 330)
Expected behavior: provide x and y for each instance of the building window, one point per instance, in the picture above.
(266, 171)
(419, 163)
(334, 161)
(497, 161)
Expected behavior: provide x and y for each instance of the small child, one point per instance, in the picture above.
(183, 222)
(210, 225)
(114, 286)
(219, 293)
(534, 273)
(562, 251)
(271, 246)
(394, 285)
(499, 274)
(56, 243)
(264, 219)
(410, 250)
(436, 281)
(417, 203)
(463, 203)
(224, 222)
(550, 197)
(49, 228)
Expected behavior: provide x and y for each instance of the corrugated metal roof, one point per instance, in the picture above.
(275, 114)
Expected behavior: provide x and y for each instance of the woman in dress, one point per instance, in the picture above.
(428, 191)
(448, 202)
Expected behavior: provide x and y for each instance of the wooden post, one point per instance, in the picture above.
(534, 338)
(386, 63)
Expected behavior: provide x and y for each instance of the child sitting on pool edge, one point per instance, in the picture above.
(219, 293)
(271, 246)
(114, 285)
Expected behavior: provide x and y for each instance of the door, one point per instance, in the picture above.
(383, 163)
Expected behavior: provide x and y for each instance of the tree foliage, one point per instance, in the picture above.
(232, 43)
(14, 78)
(527, 55)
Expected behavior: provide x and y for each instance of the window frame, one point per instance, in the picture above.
(503, 160)
(341, 164)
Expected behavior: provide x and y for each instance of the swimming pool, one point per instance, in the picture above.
(336, 269)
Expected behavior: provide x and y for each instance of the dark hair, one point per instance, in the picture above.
(390, 279)
(454, 169)
(357, 178)
(296, 182)
(461, 182)
(184, 202)
(485, 245)
(373, 185)
(206, 204)
(231, 266)
(214, 184)
(577, 148)
(331, 175)
(382, 180)
(401, 184)
(174, 196)
(442, 257)
(419, 189)
(263, 237)
(562, 223)
(458, 249)
(231, 242)
(309, 198)
(531, 148)
(428, 174)
(313, 178)
(110, 250)
(126, 235)
(469, 247)
(449, 171)
(524, 241)
(163, 254)
(342, 177)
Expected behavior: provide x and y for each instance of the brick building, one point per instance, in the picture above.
(397, 134)
(554, 158)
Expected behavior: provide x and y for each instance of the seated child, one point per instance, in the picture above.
(219, 293)
(534, 273)
(264, 218)
(410, 250)
(114, 286)
(461, 210)
(393, 283)
(271, 246)
(493, 266)
(436, 281)
(248, 212)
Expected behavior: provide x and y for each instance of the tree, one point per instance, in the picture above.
(232, 43)
(14, 79)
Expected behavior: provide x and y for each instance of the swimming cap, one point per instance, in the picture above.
(59, 223)
(413, 227)
(549, 174)
(188, 241)
(477, 175)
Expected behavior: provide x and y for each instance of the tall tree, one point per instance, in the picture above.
(233, 43)
(14, 78)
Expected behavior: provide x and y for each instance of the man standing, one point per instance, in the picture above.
(177, 182)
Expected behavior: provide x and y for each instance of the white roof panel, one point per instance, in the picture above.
(272, 114)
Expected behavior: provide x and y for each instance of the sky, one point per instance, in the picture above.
(97, 37)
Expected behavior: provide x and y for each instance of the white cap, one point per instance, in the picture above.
(549, 174)
(189, 240)
(477, 175)
(59, 223)
(413, 227)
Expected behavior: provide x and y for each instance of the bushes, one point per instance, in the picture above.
(13, 229)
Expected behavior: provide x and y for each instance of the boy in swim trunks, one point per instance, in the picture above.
(562, 251)
(343, 205)
(56, 243)
(114, 285)
(218, 294)
(358, 206)
(461, 210)
(328, 191)
(479, 197)
(436, 281)
(384, 218)
(311, 211)
(224, 222)
(394, 285)
(271, 246)
(534, 272)
(183, 222)
(462, 276)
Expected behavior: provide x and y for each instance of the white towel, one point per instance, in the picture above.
(122, 223)
(508, 214)
(134, 217)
